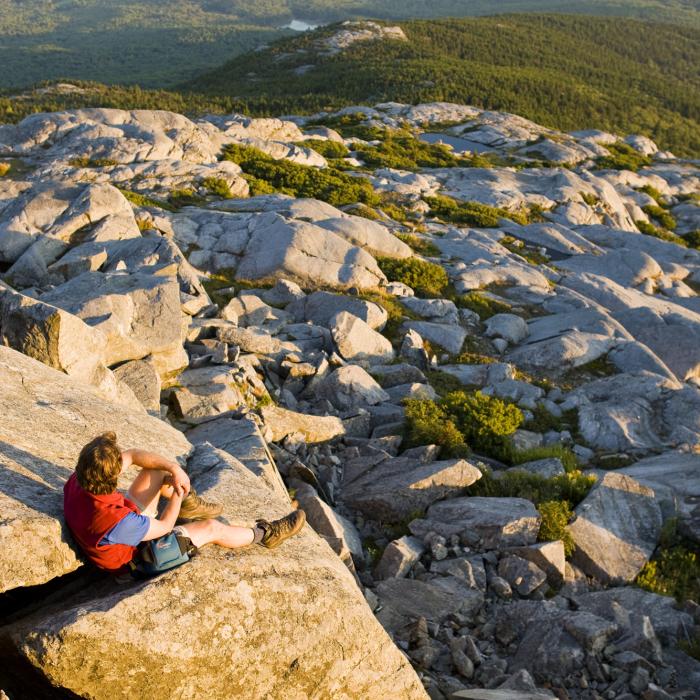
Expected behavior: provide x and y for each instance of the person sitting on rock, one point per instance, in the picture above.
(109, 526)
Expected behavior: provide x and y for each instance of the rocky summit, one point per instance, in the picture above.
(468, 344)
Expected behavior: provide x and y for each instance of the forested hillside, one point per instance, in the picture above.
(158, 43)
(563, 71)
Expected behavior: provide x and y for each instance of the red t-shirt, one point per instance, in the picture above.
(90, 517)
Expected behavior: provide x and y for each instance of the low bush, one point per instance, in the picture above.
(481, 304)
(217, 186)
(425, 278)
(674, 569)
(4, 169)
(622, 157)
(653, 193)
(475, 213)
(352, 125)
(327, 184)
(665, 218)
(328, 149)
(556, 515)
(428, 424)
(484, 421)
(590, 198)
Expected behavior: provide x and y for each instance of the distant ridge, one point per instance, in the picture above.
(562, 71)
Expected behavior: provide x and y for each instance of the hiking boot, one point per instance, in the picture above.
(195, 508)
(278, 531)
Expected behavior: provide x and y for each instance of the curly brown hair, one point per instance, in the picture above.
(99, 465)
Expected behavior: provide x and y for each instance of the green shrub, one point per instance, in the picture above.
(352, 125)
(428, 424)
(664, 217)
(4, 169)
(692, 239)
(364, 211)
(328, 149)
(650, 230)
(443, 382)
(422, 246)
(482, 305)
(217, 186)
(622, 157)
(472, 358)
(675, 568)
(425, 278)
(394, 211)
(484, 421)
(556, 515)
(327, 184)
(184, 198)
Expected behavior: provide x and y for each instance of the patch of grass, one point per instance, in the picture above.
(472, 213)
(422, 246)
(481, 304)
(219, 280)
(600, 367)
(327, 184)
(4, 169)
(364, 211)
(571, 487)
(85, 162)
(691, 646)
(543, 420)
(425, 278)
(556, 515)
(352, 126)
(373, 550)
(142, 200)
(674, 569)
(561, 452)
(665, 218)
(217, 186)
(650, 230)
(184, 198)
(589, 198)
(144, 224)
(326, 148)
(427, 423)
(394, 211)
(622, 157)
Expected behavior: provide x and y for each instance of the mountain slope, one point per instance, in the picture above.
(563, 71)
(156, 43)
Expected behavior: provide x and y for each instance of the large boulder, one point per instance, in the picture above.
(351, 387)
(306, 254)
(616, 530)
(282, 422)
(485, 523)
(138, 313)
(400, 487)
(321, 307)
(47, 418)
(258, 624)
(355, 340)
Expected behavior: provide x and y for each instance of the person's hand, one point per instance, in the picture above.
(181, 482)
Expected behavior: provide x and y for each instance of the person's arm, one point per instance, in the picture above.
(151, 460)
(166, 522)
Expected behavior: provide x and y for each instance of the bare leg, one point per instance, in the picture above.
(214, 532)
(147, 488)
